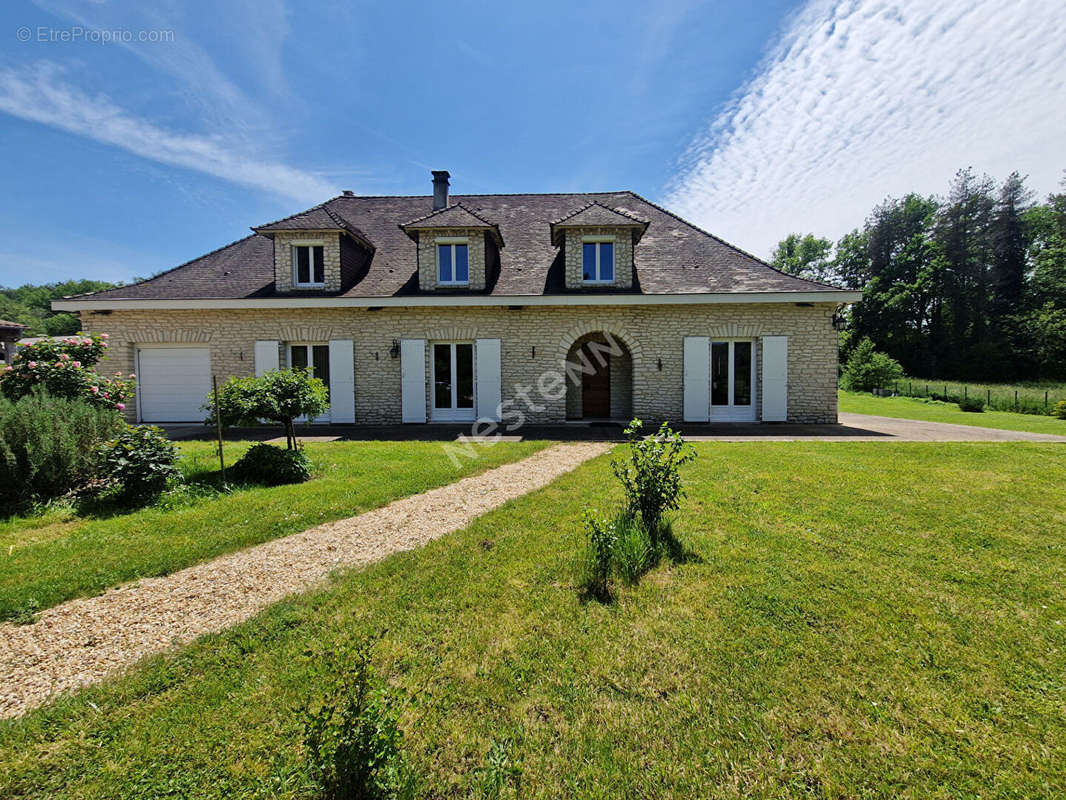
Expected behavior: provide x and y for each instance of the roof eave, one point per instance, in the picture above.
(835, 296)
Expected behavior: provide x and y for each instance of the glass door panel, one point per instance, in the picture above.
(742, 373)
(720, 373)
(464, 372)
(442, 376)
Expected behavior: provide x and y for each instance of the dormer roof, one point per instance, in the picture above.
(595, 215)
(319, 218)
(454, 216)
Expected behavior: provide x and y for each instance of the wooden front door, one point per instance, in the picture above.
(596, 386)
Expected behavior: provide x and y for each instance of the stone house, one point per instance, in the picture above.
(513, 307)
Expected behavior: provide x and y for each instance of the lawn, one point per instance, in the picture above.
(934, 411)
(59, 555)
(859, 620)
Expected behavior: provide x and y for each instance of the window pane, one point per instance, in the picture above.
(303, 265)
(742, 374)
(444, 263)
(720, 373)
(320, 363)
(464, 369)
(462, 274)
(298, 356)
(606, 261)
(588, 261)
(442, 376)
(320, 266)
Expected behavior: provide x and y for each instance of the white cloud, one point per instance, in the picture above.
(39, 94)
(861, 99)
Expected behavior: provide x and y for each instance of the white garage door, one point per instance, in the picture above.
(173, 382)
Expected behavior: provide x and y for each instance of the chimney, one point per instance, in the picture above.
(440, 189)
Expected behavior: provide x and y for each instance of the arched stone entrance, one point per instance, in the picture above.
(599, 378)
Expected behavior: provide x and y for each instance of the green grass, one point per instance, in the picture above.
(934, 411)
(1035, 397)
(863, 620)
(58, 555)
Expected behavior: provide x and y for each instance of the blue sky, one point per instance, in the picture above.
(122, 158)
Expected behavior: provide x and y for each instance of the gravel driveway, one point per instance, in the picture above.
(83, 640)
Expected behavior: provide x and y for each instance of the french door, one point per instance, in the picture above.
(733, 381)
(315, 356)
(453, 381)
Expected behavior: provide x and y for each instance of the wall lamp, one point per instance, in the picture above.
(840, 322)
(394, 351)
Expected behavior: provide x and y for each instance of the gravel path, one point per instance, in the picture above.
(83, 640)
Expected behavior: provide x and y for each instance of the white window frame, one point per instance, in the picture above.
(436, 256)
(614, 267)
(730, 412)
(321, 418)
(453, 414)
(295, 271)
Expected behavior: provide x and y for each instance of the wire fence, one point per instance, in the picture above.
(1019, 399)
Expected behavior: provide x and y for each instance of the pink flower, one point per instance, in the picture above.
(120, 406)
(94, 389)
(32, 365)
(76, 363)
(103, 336)
(132, 376)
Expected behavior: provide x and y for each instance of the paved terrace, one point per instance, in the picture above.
(851, 428)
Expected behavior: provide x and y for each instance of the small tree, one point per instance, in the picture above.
(650, 476)
(868, 369)
(281, 395)
(64, 368)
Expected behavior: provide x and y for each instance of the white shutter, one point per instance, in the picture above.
(697, 379)
(489, 383)
(266, 357)
(774, 378)
(413, 379)
(341, 380)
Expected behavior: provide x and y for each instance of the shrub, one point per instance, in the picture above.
(352, 738)
(1059, 409)
(141, 461)
(651, 475)
(867, 369)
(268, 465)
(50, 446)
(972, 404)
(280, 395)
(63, 368)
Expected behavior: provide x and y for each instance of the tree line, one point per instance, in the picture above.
(31, 305)
(970, 285)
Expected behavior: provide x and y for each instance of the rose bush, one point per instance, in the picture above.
(63, 368)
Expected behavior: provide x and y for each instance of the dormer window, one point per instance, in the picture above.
(453, 265)
(308, 265)
(597, 260)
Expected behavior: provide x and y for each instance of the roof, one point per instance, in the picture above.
(5, 324)
(319, 218)
(673, 257)
(595, 215)
(453, 216)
